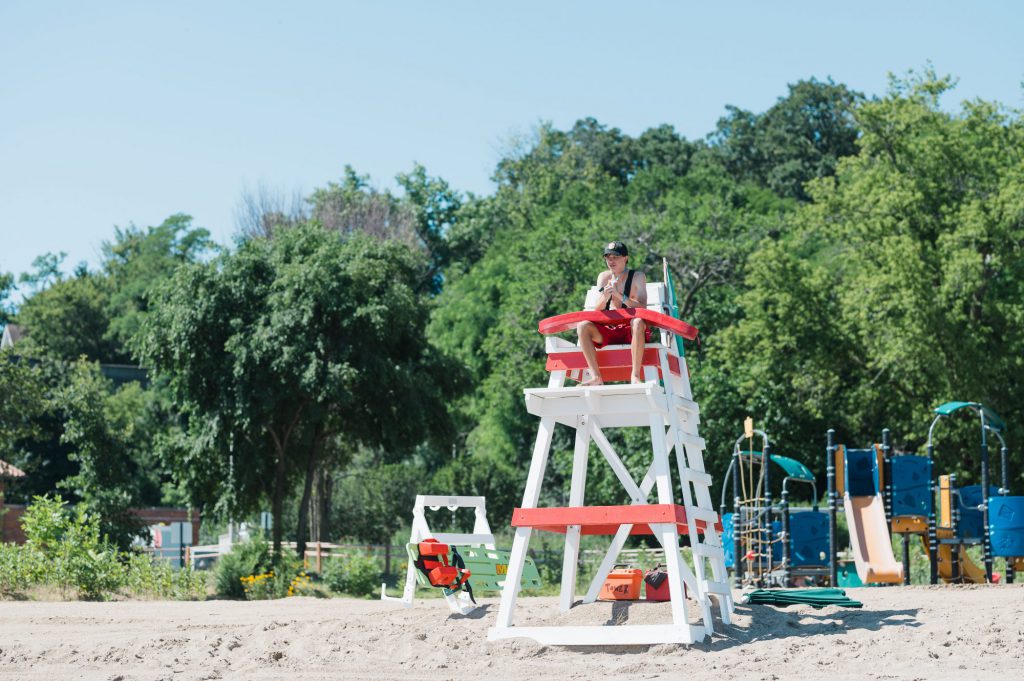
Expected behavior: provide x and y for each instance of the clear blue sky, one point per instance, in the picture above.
(126, 112)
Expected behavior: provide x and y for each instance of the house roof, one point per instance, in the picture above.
(12, 334)
(9, 471)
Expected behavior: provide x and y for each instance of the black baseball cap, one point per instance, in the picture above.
(616, 248)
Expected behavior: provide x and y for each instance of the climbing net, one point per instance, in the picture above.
(757, 542)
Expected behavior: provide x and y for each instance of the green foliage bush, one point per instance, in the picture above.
(20, 568)
(157, 579)
(251, 571)
(286, 577)
(355, 574)
(64, 549)
(245, 560)
(74, 556)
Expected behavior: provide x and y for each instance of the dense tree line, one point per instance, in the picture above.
(851, 262)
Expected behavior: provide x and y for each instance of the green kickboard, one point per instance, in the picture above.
(487, 568)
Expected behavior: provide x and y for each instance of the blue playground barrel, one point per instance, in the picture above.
(1006, 523)
(861, 473)
(911, 493)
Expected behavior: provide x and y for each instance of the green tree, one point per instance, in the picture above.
(39, 452)
(47, 271)
(800, 138)
(6, 287)
(22, 402)
(899, 286)
(69, 319)
(557, 203)
(99, 427)
(376, 499)
(273, 351)
(435, 207)
(137, 259)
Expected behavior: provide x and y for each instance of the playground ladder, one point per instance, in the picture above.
(665, 405)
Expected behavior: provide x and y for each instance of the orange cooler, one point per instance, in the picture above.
(623, 584)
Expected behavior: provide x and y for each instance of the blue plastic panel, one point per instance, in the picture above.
(861, 473)
(727, 540)
(911, 490)
(808, 543)
(970, 527)
(1006, 523)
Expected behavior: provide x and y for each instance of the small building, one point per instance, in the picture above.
(12, 334)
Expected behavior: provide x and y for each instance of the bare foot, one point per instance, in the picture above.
(591, 382)
(636, 380)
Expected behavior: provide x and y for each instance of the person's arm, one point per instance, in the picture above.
(603, 283)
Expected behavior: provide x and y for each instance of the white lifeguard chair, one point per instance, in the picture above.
(459, 602)
(665, 405)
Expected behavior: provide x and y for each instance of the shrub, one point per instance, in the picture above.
(147, 577)
(245, 560)
(71, 551)
(20, 568)
(157, 579)
(189, 585)
(355, 574)
(258, 587)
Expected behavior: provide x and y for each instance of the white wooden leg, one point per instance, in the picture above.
(576, 496)
(516, 560)
(668, 534)
(521, 543)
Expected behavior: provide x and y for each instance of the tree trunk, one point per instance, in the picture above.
(325, 490)
(277, 503)
(307, 491)
(314, 505)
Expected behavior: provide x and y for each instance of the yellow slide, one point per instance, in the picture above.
(969, 570)
(869, 538)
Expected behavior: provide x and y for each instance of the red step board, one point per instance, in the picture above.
(604, 519)
(613, 363)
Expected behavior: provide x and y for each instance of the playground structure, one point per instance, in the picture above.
(664, 404)
(885, 493)
(769, 544)
(976, 514)
(486, 565)
(861, 487)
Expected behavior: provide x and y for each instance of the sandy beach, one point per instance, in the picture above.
(964, 633)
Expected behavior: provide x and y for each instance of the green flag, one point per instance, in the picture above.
(672, 303)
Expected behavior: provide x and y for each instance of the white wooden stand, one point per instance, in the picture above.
(458, 602)
(665, 405)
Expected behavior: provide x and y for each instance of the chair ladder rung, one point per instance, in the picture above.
(706, 551)
(696, 477)
(720, 588)
(706, 514)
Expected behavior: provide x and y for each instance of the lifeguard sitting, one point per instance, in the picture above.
(620, 288)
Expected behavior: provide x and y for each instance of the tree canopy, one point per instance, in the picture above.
(850, 262)
(288, 344)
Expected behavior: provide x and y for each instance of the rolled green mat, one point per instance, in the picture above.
(817, 598)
